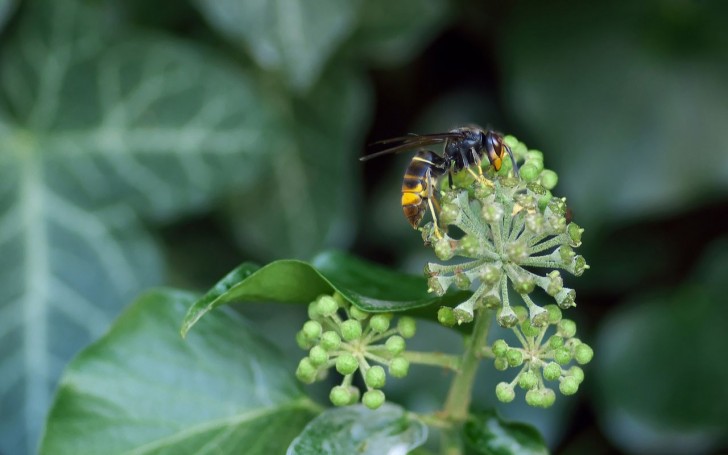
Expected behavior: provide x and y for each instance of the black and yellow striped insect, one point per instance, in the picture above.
(464, 147)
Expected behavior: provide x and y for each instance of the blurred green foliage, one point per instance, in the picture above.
(142, 145)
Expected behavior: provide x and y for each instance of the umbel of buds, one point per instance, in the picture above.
(513, 236)
(541, 359)
(339, 335)
(512, 227)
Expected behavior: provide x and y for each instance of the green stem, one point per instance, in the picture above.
(436, 359)
(461, 389)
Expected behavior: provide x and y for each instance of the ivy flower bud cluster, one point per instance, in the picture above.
(513, 236)
(339, 335)
(512, 226)
(541, 359)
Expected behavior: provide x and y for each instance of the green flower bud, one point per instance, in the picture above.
(438, 284)
(407, 326)
(373, 399)
(577, 373)
(489, 274)
(449, 214)
(491, 300)
(446, 316)
(500, 363)
(504, 392)
(395, 344)
(318, 355)
(529, 330)
(379, 323)
(346, 364)
(536, 162)
(463, 314)
(567, 328)
(313, 312)
(341, 300)
(583, 353)
(529, 172)
(543, 202)
(534, 155)
(523, 283)
(556, 283)
(521, 313)
(357, 313)
(574, 234)
(538, 316)
(566, 298)
(534, 398)
(507, 317)
(330, 340)
(327, 306)
(468, 246)
(492, 213)
(302, 341)
(351, 330)
(552, 371)
(562, 356)
(566, 254)
(482, 192)
(536, 188)
(462, 281)
(556, 341)
(312, 330)
(549, 397)
(444, 249)
(514, 357)
(527, 380)
(340, 396)
(549, 179)
(569, 385)
(306, 371)
(554, 313)
(355, 395)
(578, 266)
(375, 377)
(499, 348)
(398, 367)
(534, 223)
(517, 251)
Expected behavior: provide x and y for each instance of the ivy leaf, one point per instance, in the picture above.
(359, 430)
(292, 37)
(368, 286)
(307, 202)
(98, 130)
(668, 345)
(485, 433)
(391, 33)
(142, 389)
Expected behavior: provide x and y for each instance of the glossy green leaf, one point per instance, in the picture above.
(660, 368)
(629, 111)
(142, 389)
(293, 37)
(357, 430)
(366, 285)
(391, 33)
(97, 131)
(485, 433)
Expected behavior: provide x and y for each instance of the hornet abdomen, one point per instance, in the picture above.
(419, 185)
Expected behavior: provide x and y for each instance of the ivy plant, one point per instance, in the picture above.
(174, 376)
